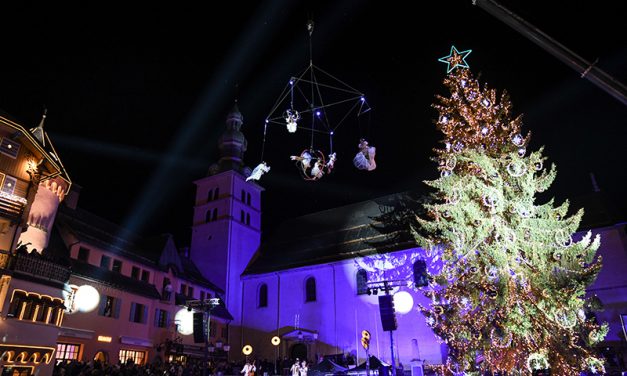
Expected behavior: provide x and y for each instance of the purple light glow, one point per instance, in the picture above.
(317, 113)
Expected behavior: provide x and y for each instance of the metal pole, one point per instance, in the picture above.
(587, 70)
(367, 363)
(206, 352)
(387, 292)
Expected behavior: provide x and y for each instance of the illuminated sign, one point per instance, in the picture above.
(104, 339)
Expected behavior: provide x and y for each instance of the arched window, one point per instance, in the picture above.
(210, 195)
(216, 193)
(248, 218)
(362, 281)
(243, 196)
(208, 216)
(263, 296)
(310, 289)
(215, 214)
(247, 199)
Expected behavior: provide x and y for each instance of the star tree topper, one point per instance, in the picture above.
(455, 59)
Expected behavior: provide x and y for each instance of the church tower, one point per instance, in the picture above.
(226, 228)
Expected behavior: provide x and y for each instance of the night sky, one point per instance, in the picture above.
(137, 98)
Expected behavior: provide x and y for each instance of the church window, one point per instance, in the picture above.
(362, 281)
(263, 296)
(208, 216)
(310, 289)
(241, 216)
(215, 214)
(216, 193)
(248, 199)
(248, 218)
(243, 196)
(210, 195)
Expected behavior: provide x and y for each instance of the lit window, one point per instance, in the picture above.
(9, 147)
(132, 356)
(8, 185)
(67, 351)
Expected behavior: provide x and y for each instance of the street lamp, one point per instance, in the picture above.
(219, 344)
(211, 348)
(226, 347)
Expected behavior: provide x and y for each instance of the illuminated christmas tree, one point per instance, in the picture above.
(510, 293)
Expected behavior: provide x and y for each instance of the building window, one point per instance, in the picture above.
(135, 272)
(166, 290)
(105, 262)
(34, 307)
(138, 313)
(117, 266)
(215, 214)
(310, 289)
(9, 147)
(202, 295)
(67, 351)
(162, 318)
(248, 219)
(83, 254)
(208, 216)
(210, 195)
(216, 193)
(190, 292)
(145, 275)
(110, 306)
(263, 296)
(362, 281)
(136, 357)
(183, 289)
(243, 196)
(248, 199)
(8, 185)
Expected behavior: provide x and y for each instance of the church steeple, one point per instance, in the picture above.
(232, 145)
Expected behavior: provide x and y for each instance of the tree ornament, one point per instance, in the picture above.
(566, 319)
(517, 139)
(491, 272)
(521, 152)
(516, 168)
(445, 173)
(538, 166)
(486, 102)
(557, 256)
(537, 361)
(562, 239)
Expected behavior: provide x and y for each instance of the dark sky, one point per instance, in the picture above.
(137, 98)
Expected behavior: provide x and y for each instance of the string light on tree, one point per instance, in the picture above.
(513, 280)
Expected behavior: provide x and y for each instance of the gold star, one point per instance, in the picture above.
(455, 59)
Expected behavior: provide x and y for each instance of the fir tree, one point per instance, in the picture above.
(510, 294)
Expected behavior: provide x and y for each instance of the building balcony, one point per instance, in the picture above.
(11, 207)
(35, 266)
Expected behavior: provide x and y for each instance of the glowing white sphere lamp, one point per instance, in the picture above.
(86, 298)
(185, 321)
(403, 302)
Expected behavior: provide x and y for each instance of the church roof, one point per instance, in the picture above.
(374, 226)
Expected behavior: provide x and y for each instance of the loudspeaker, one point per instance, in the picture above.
(362, 282)
(421, 278)
(199, 327)
(388, 316)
